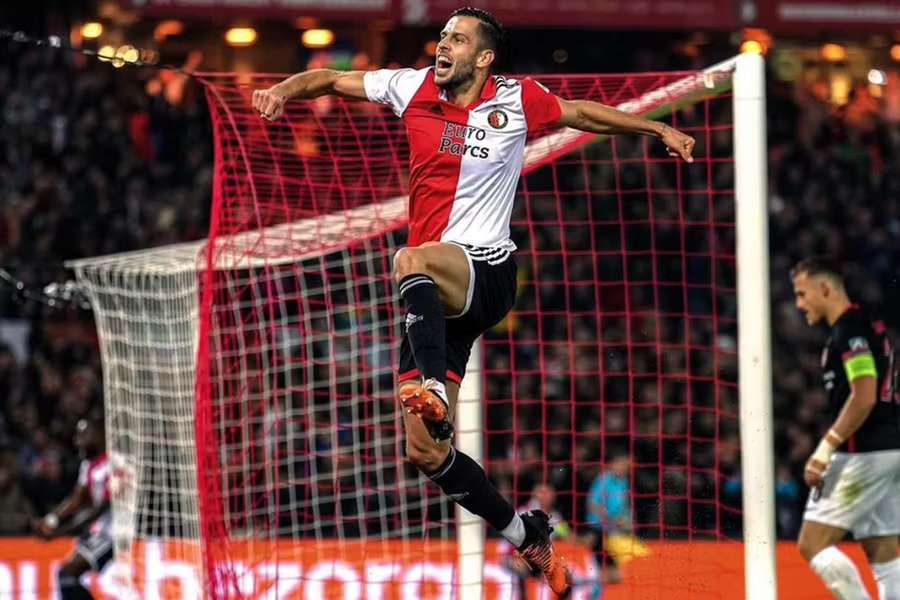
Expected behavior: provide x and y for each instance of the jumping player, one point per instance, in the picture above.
(457, 277)
(89, 502)
(854, 472)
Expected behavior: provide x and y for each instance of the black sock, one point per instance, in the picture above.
(425, 325)
(466, 483)
(70, 588)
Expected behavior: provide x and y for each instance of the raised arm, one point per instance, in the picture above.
(269, 103)
(594, 117)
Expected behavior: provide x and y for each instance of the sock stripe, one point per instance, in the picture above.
(447, 465)
(412, 281)
(411, 278)
(413, 284)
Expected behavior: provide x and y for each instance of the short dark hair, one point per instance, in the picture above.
(819, 265)
(493, 35)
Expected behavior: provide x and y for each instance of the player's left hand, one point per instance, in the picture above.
(814, 474)
(678, 143)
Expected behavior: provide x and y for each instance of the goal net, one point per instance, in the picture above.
(250, 377)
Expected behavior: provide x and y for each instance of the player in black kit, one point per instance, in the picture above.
(854, 472)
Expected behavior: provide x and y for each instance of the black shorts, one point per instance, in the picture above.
(491, 295)
(601, 554)
(96, 549)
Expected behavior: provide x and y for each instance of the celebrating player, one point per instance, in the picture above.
(457, 277)
(855, 470)
(91, 495)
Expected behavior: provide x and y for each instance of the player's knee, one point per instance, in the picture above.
(409, 261)
(67, 570)
(75, 566)
(426, 458)
(880, 553)
(808, 547)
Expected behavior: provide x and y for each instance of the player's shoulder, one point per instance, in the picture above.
(854, 328)
(525, 84)
(402, 70)
(506, 83)
(399, 75)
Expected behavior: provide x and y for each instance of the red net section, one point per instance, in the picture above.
(621, 343)
(614, 380)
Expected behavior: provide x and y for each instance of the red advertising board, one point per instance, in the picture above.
(405, 570)
(604, 14)
(834, 15)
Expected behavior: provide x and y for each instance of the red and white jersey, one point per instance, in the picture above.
(464, 162)
(94, 476)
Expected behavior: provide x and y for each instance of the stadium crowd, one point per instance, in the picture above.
(96, 160)
(90, 163)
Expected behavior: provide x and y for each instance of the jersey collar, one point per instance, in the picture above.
(488, 92)
(850, 308)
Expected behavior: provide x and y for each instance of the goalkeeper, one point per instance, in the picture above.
(457, 277)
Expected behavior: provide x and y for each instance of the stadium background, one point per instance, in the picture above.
(96, 159)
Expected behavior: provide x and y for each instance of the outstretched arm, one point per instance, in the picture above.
(594, 117)
(269, 103)
(49, 526)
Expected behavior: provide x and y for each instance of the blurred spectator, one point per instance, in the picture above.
(609, 512)
(90, 163)
(788, 502)
(16, 512)
(543, 497)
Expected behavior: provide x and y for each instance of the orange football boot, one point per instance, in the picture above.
(540, 555)
(421, 399)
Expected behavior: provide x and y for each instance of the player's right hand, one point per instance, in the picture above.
(678, 143)
(42, 528)
(269, 103)
(814, 474)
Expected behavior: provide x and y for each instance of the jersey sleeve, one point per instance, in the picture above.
(83, 471)
(856, 355)
(393, 87)
(541, 107)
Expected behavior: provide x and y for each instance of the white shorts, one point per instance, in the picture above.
(861, 494)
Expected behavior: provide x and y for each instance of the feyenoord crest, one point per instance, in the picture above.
(497, 119)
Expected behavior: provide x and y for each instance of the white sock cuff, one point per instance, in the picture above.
(886, 569)
(515, 531)
(826, 557)
(839, 574)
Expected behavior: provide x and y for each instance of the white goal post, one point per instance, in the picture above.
(754, 326)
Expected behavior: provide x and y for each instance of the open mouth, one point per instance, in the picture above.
(442, 65)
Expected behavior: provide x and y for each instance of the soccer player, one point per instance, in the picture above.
(466, 130)
(854, 472)
(90, 503)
